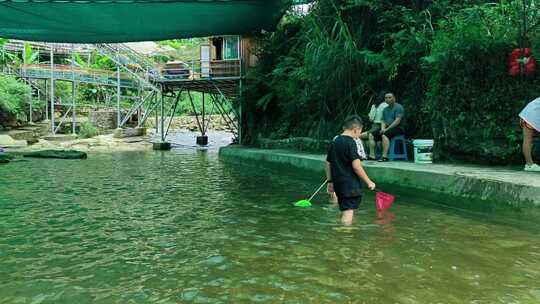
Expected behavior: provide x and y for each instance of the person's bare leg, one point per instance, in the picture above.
(372, 144)
(527, 145)
(347, 217)
(385, 145)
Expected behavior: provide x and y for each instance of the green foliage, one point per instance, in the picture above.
(5, 56)
(186, 108)
(96, 61)
(471, 101)
(87, 130)
(445, 60)
(160, 58)
(14, 96)
(31, 56)
(184, 49)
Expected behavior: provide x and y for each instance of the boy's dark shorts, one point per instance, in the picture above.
(349, 203)
(390, 133)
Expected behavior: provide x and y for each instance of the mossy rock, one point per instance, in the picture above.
(62, 154)
(6, 158)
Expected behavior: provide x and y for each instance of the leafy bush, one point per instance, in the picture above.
(473, 103)
(14, 97)
(185, 108)
(445, 60)
(87, 130)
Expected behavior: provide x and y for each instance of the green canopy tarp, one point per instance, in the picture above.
(91, 21)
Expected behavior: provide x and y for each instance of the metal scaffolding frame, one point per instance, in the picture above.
(31, 74)
(132, 71)
(220, 92)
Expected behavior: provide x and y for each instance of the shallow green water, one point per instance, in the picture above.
(186, 228)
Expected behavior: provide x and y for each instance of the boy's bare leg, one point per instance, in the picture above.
(527, 145)
(332, 197)
(386, 145)
(347, 217)
(372, 144)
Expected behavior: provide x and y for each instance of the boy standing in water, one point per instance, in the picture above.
(344, 170)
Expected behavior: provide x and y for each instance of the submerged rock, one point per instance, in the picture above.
(62, 154)
(6, 158)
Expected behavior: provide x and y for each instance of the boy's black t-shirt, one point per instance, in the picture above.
(342, 152)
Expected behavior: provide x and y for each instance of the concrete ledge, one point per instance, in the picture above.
(497, 184)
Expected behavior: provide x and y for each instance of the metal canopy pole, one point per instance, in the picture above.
(157, 116)
(240, 113)
(52, 88)
(240, 93)
(162, 116)
(46, 96)
(203, 116)
(141, 98)
(73, 114)
(118, 92)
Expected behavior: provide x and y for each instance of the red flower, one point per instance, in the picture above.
(521, 62)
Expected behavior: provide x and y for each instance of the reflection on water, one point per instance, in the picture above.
(385, 219)
(183, 227)
(186, 140)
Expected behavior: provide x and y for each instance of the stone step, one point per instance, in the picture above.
(7, 141)
(21, 134)
(60, 137)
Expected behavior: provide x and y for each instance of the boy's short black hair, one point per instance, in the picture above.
(352, 121)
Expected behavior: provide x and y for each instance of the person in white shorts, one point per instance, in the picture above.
(530, 124)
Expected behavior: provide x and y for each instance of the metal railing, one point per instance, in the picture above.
(131, 62)
(68, 73)
(197, 69)
(59, 48)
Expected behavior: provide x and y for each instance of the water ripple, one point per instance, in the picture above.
(183, 227)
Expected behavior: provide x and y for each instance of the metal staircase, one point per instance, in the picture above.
(142, 69)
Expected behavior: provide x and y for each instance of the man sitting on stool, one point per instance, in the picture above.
(393, 124)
